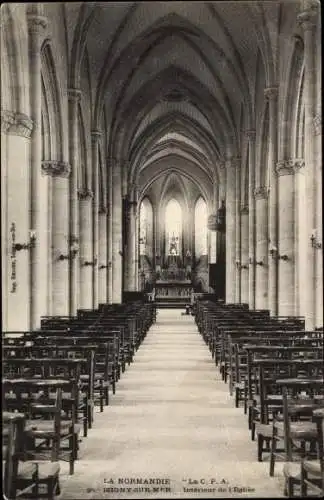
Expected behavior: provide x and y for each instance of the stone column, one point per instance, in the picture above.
(286, 257)
(213, 246)
(38, 253)
(131, 248)
(221, 236)
(308, 21)
(238, 235)
(16, 129)
(213, 234)
(157, 234)
(301, 238)
(261, 254)
(154, 237)
(244, 262)
(271, 94)
(102, 257)
(117, 264)
(95, 136)
(137, 256)
(191, 232)
(319, 223)
(7, 119)
(251, 138)
(86, 249)
(109, 230)
(231, 172)
(50, 246)
(74, 96)
(60, 255)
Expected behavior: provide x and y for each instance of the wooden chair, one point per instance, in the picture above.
(299, 435)
(25, 477)
(45, 436)
(270, 402)
(14, 471)
(312, 471)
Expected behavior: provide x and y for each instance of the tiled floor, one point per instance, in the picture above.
(171, 430)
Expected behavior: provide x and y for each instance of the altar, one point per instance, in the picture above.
(173, 294)
(173, 286)
(177, 289)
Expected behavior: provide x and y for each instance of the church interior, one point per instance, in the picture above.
(162, 266)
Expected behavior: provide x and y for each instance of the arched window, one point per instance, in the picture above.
(146, 227)
(173, 227)
(200, 227)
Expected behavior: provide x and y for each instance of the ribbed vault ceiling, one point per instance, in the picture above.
(172, 79)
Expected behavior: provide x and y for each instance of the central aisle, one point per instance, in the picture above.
(171, 418)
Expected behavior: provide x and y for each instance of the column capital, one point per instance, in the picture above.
(113, 162)
(74, 94)
(103, 210)
(297, 164)
(250, 134)
(260, 193)
(271, 93)
(36, 22)
(133, 188)
(56, 168)
(22, 126)
(285, 167)
(125, 163)
(308, 18)
(317, 124)
(85, 194)
(7, 119)
(95, 135)
(236, 160)
(221, 164)
(232, 162)
(244, 210)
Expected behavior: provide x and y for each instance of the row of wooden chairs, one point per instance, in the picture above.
(275, 368)
(52, 379)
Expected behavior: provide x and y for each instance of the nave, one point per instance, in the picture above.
(162, 155)
(172, 417)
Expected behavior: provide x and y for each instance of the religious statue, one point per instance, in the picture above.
(173, 250)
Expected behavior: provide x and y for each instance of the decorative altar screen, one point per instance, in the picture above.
(173, 228)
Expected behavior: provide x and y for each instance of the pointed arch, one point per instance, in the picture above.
(82, 163)
(45, 126)
(264, 156)
(51, 106)
(292, 101)
(299, 135)
(102, 181)
(140, 105)
(174, 181)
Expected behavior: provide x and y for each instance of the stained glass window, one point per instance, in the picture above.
(201, 227)
(173, 227)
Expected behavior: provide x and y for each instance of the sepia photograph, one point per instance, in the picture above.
(161, 250)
